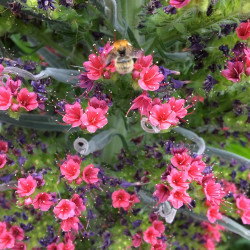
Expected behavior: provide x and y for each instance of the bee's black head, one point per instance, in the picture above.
(122, 52)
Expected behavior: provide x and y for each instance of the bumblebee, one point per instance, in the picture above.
(124, 56)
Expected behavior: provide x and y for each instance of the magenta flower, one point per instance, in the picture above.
(213, 214)
(132, 200)
(150, 78)
(120, 198)
(90, 173)
(243, 203)
(73, 114)
(177, 179)
(27, 100)
(178, 197)
(162, 192)
(160, 245)
(26, 186)
(94, 67)
(142, 103)
(243, 31)
(17, 232)
(3, 160)
(179, 3)
(158, 225)
(137, 240)
(70, 169)
(2, 224)
(6, 240)
(195, 172)
(178, 107)
(95, 103)
(79, 204)
(150, 235)
(93, 119)
(64, 209)
(3, 147)
(246, 217)
(19, 246)
(70, 224)
(13, 86)
(233, 71)
(181, 161)
(5, 98)
(213, 192)
(162, 116)
(143, 62)
(43, 201)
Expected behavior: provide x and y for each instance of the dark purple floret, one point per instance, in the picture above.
(90, 214)
(177, 83)
(15, 7)
(126, 184)
(208, 170)
(233, 174)
(126, 232)
(6, 178)
(243, 184)
(66, 3)
(152, 6)
(210, 10)
(209, 83)
(27, 227)
(46, 4)
(224, 49)
(169, 10)
(124, 222)
(85, 82)
(38, 87)
(21, 160)
(136, 223)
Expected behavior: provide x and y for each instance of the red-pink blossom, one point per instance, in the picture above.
(70, 169)
(143, 62)
(79, 204)
(199, 161)
(142, 103)
(243, 31)
(150, 78)
(150, 235)
(158, 225)
(77, 159)
(177, 179)
(13, 86)
(181, 161)
(52, 246)
(64, 209)
(162, 192)
(27, 100)
(6, 240)
(73, 114)
(90, 173)
(3, 147)
(233, 71)
(26, 186)
(67, 246)
(209, 245)
(213, 213)
(94, 67)
(195, 172)
(28, 201)
(178, 107)
(246, 217)
(229, 187)
(179, 3)
(19, 246)
(247, 56)
(178, 197)
(1, 68)
(5, 98)
(43, 201)
(3, 160)
(243, 203)
(93, 119)
(70, 224)
(95, 103)
(160, 245)
(132, 200)
(17, 232)
(162, 116)
(120, 198)
(137, 240)
(213, 192)
(2, 227)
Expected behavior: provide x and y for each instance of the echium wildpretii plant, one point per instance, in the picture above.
(123, 144)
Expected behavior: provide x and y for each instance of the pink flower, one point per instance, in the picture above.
(5, 98)
(3, 160)
(213, 192)
(178, 197)
(2, 224)
(19, 246)
(3, 147)
(13, 86)
(209, 245)
(6, 240)
(95, 103)
(178, 107)
(181, 161)
(27, 100)
(120, 198)
(162, 116)
(17, 232)
(137, 240)
(195, 172)
(79, 204)
(26, 186)
(246, 217)
(95, 67)
(162, 192)
(160, 245)
(93, 119)
(229, 187)
(150, 78)
(68, 246)
(233, 71)
(243, 31)
(143, 62)
(247, 54)
(28, 201)
(142, 103)
(150, 235)
(179, 3)
(52, 246)
(106, 50)
(70, 169)
(243, 203)
(213, 214)
(70, 224)
(90, 173)
(158, 225)
(64, 209)
(132, 200)
(1, 68)
(199, 161)
(43, 201)
(73, 114)
(177, 179)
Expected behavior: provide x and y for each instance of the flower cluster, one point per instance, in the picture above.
(11, 96)
(10, 236)
(243, 204)
(71, 169)
(92, 119)
(3, 151)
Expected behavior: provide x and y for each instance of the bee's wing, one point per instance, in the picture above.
(135, 53)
